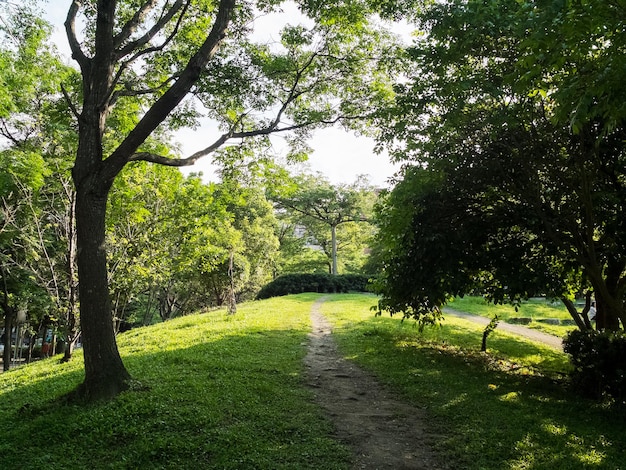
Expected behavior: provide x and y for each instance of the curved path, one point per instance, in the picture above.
(382, 431)
(534, 335)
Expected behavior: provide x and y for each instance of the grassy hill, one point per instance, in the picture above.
(216, 391)
(226, 392)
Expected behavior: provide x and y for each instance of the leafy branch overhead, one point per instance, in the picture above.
(315, 76)
(513, 133)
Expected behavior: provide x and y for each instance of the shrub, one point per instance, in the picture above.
(599, 360)
(322, 283)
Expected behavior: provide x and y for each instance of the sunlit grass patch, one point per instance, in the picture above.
(219, 392)
(537, 311)
(507, 409)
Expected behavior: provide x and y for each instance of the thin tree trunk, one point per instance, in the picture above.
(8, 326)
(576, 316)
(72, 324)
(9, 315)
(333, 233)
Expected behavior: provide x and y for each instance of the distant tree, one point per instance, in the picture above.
(322, 207)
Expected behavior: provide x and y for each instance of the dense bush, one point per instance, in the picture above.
(599, 360)
(323, 283)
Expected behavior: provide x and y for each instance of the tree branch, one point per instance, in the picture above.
(70, 29)
(131, 26)
(147, 91)
(69, 102)
(146, 38)
(159, 111)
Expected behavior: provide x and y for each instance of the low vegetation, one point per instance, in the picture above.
(219, 391)
(507, 409)
(216, 391)
(321, 283)
(540, 314)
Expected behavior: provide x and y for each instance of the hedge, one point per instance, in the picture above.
(322, 283)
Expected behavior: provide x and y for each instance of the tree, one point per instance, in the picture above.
(155, 54)
(518, 182)
(320, 203)
(37, 196)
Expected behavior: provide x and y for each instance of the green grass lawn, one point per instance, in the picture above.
(507, 409)
(227, 392)
(223, 393)
(534, 309)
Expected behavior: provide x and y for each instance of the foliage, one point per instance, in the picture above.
(170, 239)
(219, 392)
(298, 283)
(335, 217)
(37, 239)
(599, 360)
(516, 184)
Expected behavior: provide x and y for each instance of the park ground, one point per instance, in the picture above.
(311, 382)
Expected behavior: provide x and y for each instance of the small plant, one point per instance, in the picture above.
(493, 324)
(599, 360)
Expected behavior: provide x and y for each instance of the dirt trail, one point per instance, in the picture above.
(382, 431)
(534, 335)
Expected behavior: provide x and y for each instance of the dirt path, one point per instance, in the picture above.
(535, 335)
(382, 431)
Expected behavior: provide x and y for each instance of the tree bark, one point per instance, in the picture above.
(105, 374)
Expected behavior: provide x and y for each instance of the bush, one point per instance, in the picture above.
(599, 360)
(322, 283)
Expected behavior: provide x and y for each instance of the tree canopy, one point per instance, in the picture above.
(322, 208)
(514, 140)
(151, 67)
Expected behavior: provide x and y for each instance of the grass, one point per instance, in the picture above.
(534, 309)
(504, 410)
(226, 392)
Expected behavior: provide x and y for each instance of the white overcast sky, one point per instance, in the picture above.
(339, 155)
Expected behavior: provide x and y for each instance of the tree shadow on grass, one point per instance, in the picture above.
(235, 402)
(496, 415)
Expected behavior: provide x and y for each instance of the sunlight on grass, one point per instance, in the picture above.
(510, 397)
(553, 428)
(536, 311)
(227, 392)
(222, 392)
(508, 408)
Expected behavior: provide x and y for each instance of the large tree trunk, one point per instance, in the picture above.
(105, 374)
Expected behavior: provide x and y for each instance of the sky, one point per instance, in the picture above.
(339, 155)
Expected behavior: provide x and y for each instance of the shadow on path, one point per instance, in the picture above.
(382, 431)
